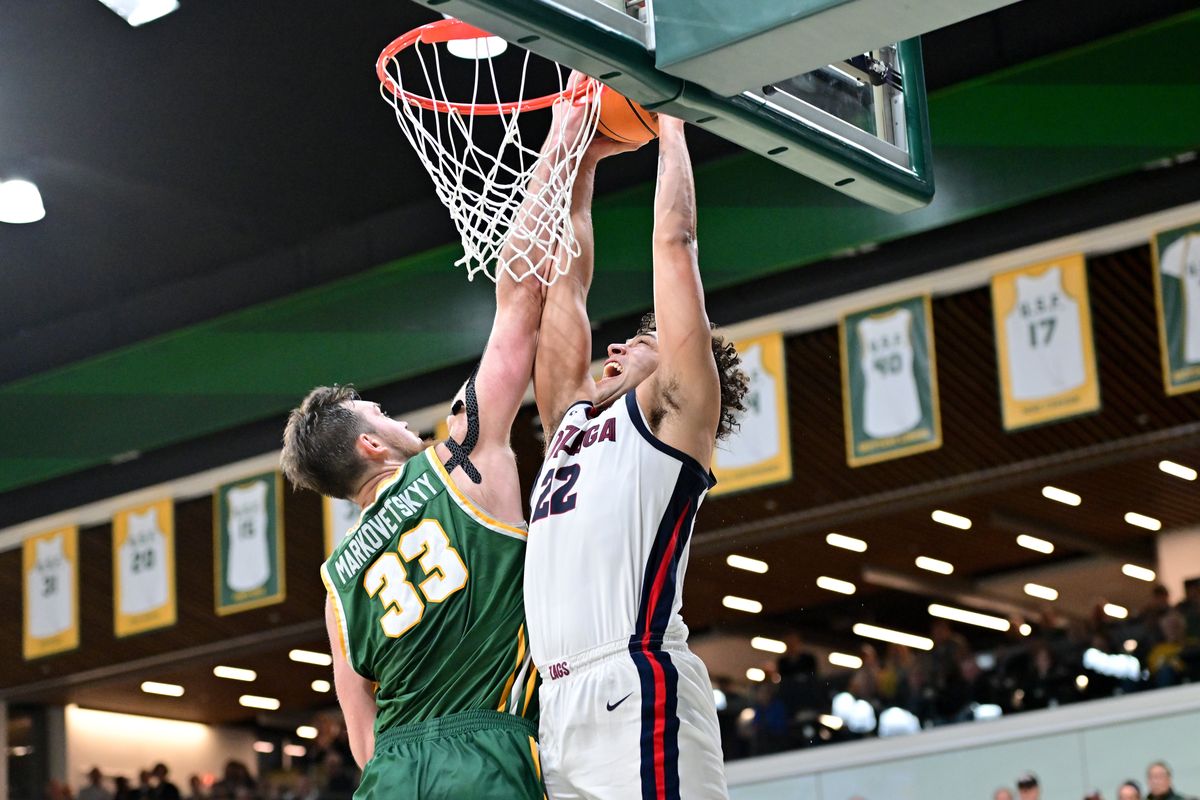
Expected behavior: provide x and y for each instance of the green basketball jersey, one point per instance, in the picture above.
(427, 592)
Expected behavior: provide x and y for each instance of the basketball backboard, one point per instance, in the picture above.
(821, 87)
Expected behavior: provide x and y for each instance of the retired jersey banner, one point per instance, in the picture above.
(759, 452)
(1177, 292)
(340, 516)
(889, 382)
(50, 568)
(248, 542)
(1043, 326)
(143, 547)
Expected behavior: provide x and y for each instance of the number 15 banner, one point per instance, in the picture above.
(1043, 326)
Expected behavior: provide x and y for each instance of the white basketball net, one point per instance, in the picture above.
(511, 215)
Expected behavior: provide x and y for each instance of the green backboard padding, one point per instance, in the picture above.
(1038, 129)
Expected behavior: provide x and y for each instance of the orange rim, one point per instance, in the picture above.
(447, 30)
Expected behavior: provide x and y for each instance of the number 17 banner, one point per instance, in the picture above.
(1044, 349)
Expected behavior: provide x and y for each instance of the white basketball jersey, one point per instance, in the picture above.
(48, 590)
(757, 437)
(609, 534)
(1045, 350)
(249, 565)
(143, 565)
(891, 405)
(1181, 260)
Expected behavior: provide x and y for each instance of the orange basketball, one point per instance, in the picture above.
(623, 120)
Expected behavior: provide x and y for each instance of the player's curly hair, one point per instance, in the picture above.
(318, 442)
(734, 382)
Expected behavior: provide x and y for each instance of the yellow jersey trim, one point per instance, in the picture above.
(339, 614)
(504, 696)
(476, 513)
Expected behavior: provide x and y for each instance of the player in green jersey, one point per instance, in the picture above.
(425, 611)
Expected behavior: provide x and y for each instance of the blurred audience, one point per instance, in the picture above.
(95, 787)
(1003, 793)
(1158, 783)
(1129, 790)
(1028, 787)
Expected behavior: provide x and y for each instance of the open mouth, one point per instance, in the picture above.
(612, 369)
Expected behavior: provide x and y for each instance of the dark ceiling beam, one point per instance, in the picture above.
(964, 593)
(1136, 552)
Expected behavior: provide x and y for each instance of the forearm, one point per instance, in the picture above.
(675, 195)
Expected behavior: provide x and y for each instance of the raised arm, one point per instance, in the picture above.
(686, 385)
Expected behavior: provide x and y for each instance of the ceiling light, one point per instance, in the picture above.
(295, 750)
(845, 660)
(1115, 611)
(306, 732)
(846, 542)
(1041, 592)
(893, 637)
(321, 686)
(1034, 543)
(235, 673)
(935, 565)
(263, 747)
(1081, 682)
(748, 564)
(1130, 645)
(1141, 573)
(1025, 629)
(309, 657)
(769, 645)
(1061, 496)
(139, 12)
(1178, 470)
(969, 617)
(741, 604)
(20, 202)
(830, 721)
(834, 585)
(755, 674)
(953, 520)
(747, 715)
(165, 689)
(254, 701)
(1142, 521)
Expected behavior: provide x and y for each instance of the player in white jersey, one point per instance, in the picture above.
(891, 405)
(627, 709)
(1045, 351)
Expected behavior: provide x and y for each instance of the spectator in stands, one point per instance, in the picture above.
(163, 788)
(1028, 787)
(57, 790)
(1158, 783)
(1044, 682)
(728, 714)
(1159, 604)
(237, 778)
(1129, 790)
(122, 789)
(1190, 607)
(1003, 793)
(899, 680)
(95, 789)
(770, 720)
(864, 685)
(197, 788)
(1165, 661)
(796, 660)
(145, 787)
(948, 690)
(802, 695)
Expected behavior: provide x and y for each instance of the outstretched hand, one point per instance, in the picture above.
(603, 147)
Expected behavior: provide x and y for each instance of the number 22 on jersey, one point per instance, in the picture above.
(388, 580)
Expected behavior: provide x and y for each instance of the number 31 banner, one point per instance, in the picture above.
(1043, 326)
(889, 382)
(248, 541)
(143, 544)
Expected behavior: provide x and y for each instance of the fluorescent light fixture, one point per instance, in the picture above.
(969, 617)
(741, 604)
(1061, 496)
(935, 565)
(1142, 521)
(755, 674)
(1025, 629)
(264, 747)
(1115, 611)
(834, 585)
(1041, 592)
(139, 12)
(846, 542)
(1036, 544)
(477, 49)
(953, 520)
(1081, 682)
(768, 645)
(321, 686)
(295, 750)
(254, 701)
(20, 202)
(748, 564)
(165, 689)
(1178, 470)
(830, 721)
(893, 637)
(306, 732)
(235, 673)
(845, 660)
(1141, 573)
(1130, 645)
(309, 657)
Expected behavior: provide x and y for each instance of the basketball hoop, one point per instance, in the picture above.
(510, 203)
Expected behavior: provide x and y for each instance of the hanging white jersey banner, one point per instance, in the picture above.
(1177, 292)
(759, 452)
(1043, 326)
(50, 570)
(248, 542)
(340, 517)
(143, 547)
(889, 382)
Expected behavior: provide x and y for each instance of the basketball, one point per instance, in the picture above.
(623, 120)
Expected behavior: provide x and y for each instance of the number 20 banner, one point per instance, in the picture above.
(1044, 349)
(143, 545)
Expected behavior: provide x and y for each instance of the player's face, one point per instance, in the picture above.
(628, 364)
(394, 433)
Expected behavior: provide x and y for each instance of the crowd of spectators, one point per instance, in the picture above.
(1159, 786)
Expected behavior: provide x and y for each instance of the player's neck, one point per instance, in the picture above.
(386, 469)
